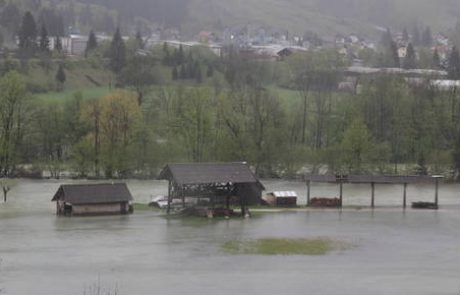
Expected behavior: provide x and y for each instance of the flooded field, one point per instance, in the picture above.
(394, 251)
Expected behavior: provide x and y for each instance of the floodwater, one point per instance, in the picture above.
(394, 251)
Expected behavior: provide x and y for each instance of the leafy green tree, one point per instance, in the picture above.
(117, 53)
(140, 73)
(456, 158)
(120, 114)
(356, 146)
(13, 98)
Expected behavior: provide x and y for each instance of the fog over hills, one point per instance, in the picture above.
(323, 16)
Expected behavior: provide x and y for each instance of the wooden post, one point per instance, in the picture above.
(183, 197)
(341, 194)
(405, 196)
(169, 198)
(229, 192)
(373, 195)
(308, 192)
(436, 194)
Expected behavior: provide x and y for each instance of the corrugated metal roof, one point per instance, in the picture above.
(93, 193)
(372, 179)
(285, 194)
(209, 173)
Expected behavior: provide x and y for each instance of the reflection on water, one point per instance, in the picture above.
(397, 252)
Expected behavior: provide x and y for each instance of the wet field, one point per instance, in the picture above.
(394, 251)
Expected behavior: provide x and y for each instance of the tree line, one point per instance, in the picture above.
(281, 118)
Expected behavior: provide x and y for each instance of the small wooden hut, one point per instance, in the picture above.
(218, 182)
(93, 199)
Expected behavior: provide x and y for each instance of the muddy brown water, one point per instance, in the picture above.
(395, 251)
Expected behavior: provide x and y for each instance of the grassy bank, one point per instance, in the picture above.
(272, 246)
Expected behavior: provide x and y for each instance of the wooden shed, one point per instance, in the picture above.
(216, 181)
(281, 199)
(93, 199)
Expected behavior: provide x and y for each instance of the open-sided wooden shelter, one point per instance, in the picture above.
(93, 199)
(216, 181)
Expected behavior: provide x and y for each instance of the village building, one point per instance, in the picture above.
(219, 183)
(93, 199)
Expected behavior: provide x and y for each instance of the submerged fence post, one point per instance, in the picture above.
(405, 196)
(341, 194)
(169, 197)
(373, 195)
(436, 194)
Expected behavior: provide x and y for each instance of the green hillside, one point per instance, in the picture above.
(324, 16)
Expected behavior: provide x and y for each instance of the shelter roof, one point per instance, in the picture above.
(93, 193)
(209, 173)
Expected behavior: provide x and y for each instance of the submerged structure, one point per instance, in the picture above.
(93, 199)
(373, 180)
(213, 184)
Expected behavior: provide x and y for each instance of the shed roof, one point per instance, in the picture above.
(209, 173)
(101, 193)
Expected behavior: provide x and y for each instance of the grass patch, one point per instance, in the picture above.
(93, 92)
(271, 246)
(143, 207)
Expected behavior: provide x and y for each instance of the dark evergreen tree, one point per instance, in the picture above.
(387, 38)
(58, 44)
(198, 73)
(92, 43)
(175, 73)
(453, 67)
(183, 72)
(10, 17)
(405, 35)
(436, 60)
(416, 39)
(394, 55)
(190, 70)
(44, 44)
(427, 38)
(139, 40)
(210, 71)
(28, 35)
(117, 53)
(410, 59)
(181, 55)
(456, 158)
(60, 77)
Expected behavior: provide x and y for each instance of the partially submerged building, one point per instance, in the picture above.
(217, 182)
(93, 199)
